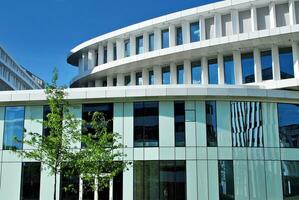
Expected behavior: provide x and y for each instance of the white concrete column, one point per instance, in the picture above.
(109, 81)
(145, 42)
(173, 73)
(91, 56)
(109, 51)
(220, 68)
(275, 62)
(101, 54)
(187, 71)
(295, 49)
(81, 65)
(218, 26)
(120, 80)
(186, 32)
(238, 67)
(253, 18)
(98, 83)
(202, 26)
(145, 76)
(257, 65)
(120, 48)
(205, 71)
(132, 45)
(272, 14)
(235, 21)
(158, 39)
(172, 35)
(133, 78)
(157, 75)
(292, 12)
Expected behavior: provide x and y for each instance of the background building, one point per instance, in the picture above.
(206, 101)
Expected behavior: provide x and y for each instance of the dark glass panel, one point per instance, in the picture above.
(179, 126)
(180, 74)
(226, 180)
(151, 77)
(167, 180)
(30, 185)
(127, 80)
(118, 187)
(139, 45)
(194, 32)
(266, 65)
(105, 54)
(290, 179)
(138, 178)
(165, 39)
(213, 71)
(151, 40)
(114, 51)
(69, 186)
(196, 72)
(180, 180)
(127, 48)
(165, 76)
(229, 71)
(139, 78)
(247, 63)
(114, 81)
(211, 123)
(179, 36)
(286, 63)
(138, 124)
(151, 180)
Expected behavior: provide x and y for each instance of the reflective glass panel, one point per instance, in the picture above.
(166, 76)
(127, 80)
(151, 40)
(114, 52)
(165, 39)
(286, 63)
(179, 36)
(180, 74)
(151, 77)
(194, 32)
(105, 54)
(211, 123)
(196, 72)
(229, 71)
(290, 179)
(247, 63)
(213, 71)
(226, 180)
(139, 45)
(266, 65)
(127, 48)
(179, 123)
(30, 180)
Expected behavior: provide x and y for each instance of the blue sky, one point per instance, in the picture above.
(40, 33)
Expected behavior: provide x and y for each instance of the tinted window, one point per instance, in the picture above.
(114, 81)
(69, 186)
(127, 80)
(139, 78)
(30, 180)
(290, 179)
(114, 52)
(151, 41)
(165, 39)
(118, 187)
(286, 63)
(165, 76)
(13, 127)
(226, 180)
(288, 121)
(213, 71)
(179, 36)
(266, 65)
(127, 48)
(146, 124)
(151, 77)
(139, 45)
(211, 123)
(196, 72)
(194, 32)
(229, 71)
(179, 123)
(180, 74)
(247, 68)
(105, 54)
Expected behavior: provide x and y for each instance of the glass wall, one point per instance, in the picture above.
(179, 36)
(165, 75)
(194, 32)
(139, 78)
(226, 180)
(211, 123)
(165, 39)
(290, 179)
(151, 42)
(139, 45)
(151, 77)
(286, 63)
(247, 63)
(246, 120)
(13, 127)
(146, 124)
(213, 71)
(288, 122)
(179, 123)
(266, 65)
(196, 72)
(127, 48)
(180, 74)
(229, 70)
(30, 184)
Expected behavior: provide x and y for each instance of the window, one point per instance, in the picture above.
(282, 14)
(165, 76)
(286, 63)
(127, 80)
(114, 52)
(263, 16)
(196, 72)
(30, 181)
(290, 179)
(245, 21)
(165, 39)
(146, 124)
(209, 27)
(151, 41)
(105, 54)
(159, 180)
(180, 74)
(67, 193)
(211, 123)
(139, 78)
(213, 71)
(297, 11)
(179, 123)
(13, 127)
(194, 32)
(127, 48)
(266, 65)
(151, 77)
(179, 36)
(226, 24)
(226, 180)
(117, 187)
(47, 110)
(246, 119)
(229, 71)
(247, 63)
(288, 122)
(139, 45)
(114, 81)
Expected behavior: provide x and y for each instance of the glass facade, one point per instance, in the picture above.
(151, 42)
(165, 75)
(286, 63)
(211, 123)
(165, 39)
(151, 77)
(290, 179)
(146, 124)
(13, 127)
(30, 186)
(179, 36)
(213, 71)
(180, 74)
(179, 123)
(164, 180)
(105, 54)
(229, 70)
(247, 63)
(226, 180)
(266, 65)
(127, 80)
(196, 72)
(194, 32)
(139, 45)
(288, 122)
(127, 48)
(246, 120)
(139, 78)
(114, 52)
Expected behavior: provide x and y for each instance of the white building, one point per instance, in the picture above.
(206, 101)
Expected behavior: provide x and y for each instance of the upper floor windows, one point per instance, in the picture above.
(180, 74)
(139, 45)
(196, 72)
(105, 54)
(229, 70)
(179, 123)
(179, 36)
(266, 65)
(114, 51)
(127, 80)
(194, 32)
(151, 77)
(286, 63)
(247, 63)
(165, 75)
(127, 48)
(13, 127)
(211, 123)
(165, 38)
(213, 71)
(151, 42)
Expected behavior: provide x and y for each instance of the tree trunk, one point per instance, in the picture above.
(55, 180)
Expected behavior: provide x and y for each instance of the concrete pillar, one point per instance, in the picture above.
(91, 58)
(145, 42)
(173, 73)
(272, 14)
(257, 65)
(202, 27)
(120, 48)
(109, 51)
(133, 78)
(98, 83)
(186, 32)
(220, 68)
(205, 71)
(218, 26)
(187, 71)
(253, 19)
(275, 62)
(157, 75)
(292, 12)
(101, 54)
(145, 77)
(295, 49)
(235, 21)
(120, 80)
(172, 35)
(109, 81)
(81, 65)
(132, 45)
(238, 67)
(158, 39)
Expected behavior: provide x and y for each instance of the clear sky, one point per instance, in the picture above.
(40, 33)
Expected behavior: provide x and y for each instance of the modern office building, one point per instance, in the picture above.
(15, 77)
(206, 101)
